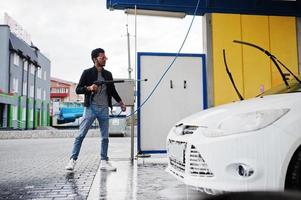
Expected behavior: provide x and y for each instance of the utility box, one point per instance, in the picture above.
(117, 125)
(181, 93)
(117, 122)
(125, 91)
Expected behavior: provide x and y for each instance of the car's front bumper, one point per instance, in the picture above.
(214, 163)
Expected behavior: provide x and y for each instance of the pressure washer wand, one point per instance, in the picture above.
(117, 81)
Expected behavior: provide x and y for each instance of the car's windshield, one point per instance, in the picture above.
(295, 86)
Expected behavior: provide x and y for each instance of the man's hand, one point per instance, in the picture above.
(122, 106)
(92, 88)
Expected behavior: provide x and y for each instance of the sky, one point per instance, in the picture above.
(67, 30)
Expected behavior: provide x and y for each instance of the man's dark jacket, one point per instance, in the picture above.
(88, 77)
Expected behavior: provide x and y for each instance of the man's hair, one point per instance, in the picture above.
(96, 52)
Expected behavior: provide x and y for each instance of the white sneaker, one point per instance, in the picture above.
(71, 164)
(106, 166)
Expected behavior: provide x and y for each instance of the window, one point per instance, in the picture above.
(32, 68)
(16, 59)
(15, 112)
(40, 73)
(15, 85)
(44, 94)
(24, 88)
(61, 90)
(45, 78)
(45, 117)
(25, 65)
(31, 91)
(23, 114)
(39, 93)
(31, 114)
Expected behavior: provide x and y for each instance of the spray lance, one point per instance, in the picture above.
(100, 83)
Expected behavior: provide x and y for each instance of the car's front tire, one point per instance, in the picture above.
(293, 175)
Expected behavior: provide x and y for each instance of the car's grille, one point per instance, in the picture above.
(198, 167)
(177, 165)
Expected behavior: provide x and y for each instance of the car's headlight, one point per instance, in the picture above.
(181, 129)
(245, 122)
(178, 130)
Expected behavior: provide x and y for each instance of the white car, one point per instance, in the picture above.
(248, 145)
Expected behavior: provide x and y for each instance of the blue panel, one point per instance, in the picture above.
(153, 152)
(263, 7)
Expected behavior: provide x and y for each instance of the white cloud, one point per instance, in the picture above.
(67, 30)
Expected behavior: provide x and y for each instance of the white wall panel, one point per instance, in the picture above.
(171, 101)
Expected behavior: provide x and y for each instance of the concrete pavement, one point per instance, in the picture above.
(34, 169)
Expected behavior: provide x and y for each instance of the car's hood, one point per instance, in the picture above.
(212, 117)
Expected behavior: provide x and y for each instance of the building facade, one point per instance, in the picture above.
(24, 83)
(64, 91)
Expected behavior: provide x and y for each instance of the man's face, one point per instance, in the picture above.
(101, 59)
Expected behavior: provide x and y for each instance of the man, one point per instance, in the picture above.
(97, 101)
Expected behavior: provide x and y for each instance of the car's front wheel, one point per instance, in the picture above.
(293, 175)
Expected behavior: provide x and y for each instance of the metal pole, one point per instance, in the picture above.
(132, 107)
(129, 51)
(132, 134)
(135, 44)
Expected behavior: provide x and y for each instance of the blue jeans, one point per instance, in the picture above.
(101, 113)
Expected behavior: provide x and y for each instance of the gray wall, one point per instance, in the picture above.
(4, 56)
(44, 84)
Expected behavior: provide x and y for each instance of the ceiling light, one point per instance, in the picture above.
(155, 13)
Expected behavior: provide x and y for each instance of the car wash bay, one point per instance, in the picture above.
(263, 23)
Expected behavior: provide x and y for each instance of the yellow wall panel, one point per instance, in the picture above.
(225, 28)
(256, 65)
(252, 70)
(283, 44)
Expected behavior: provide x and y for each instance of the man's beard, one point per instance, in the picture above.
(100, 64)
